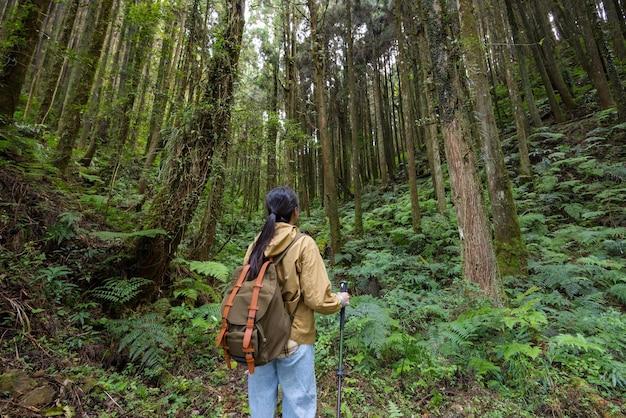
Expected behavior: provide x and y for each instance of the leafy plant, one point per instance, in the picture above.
(65, 227)
(120, 290)
(56, 285)
(147, 339)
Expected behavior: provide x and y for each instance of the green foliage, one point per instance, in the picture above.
(111, 235)
(370, 325)
(559, 344)
(65, 228)
(57, 287)
(211, 268)
(194, 285)
(147, 340)
(119, 290)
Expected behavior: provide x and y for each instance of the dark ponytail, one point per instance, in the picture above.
(280, 204)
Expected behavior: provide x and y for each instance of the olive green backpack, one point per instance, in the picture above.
(255, 324)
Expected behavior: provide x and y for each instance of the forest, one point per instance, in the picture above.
(461, 164)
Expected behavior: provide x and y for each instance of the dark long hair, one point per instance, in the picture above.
(280, 204)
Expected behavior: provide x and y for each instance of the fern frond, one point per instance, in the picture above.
(118, 290)
(483, 367)
(147, 341)
(211, 268)
(577, 342)
(111, 235)
(372, 323)
(515, 348)
(618, 291)
(393, 411)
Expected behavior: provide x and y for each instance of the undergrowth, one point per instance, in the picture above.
(418, 338)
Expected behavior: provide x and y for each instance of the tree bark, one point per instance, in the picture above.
(533, 41)
(479, 262)
(187, 167)
(502, 33)
(330, 180)
(16, 60)
(408, 119)
(79, 96)
(354, 134)
(56, 62)
(520, 50)
(597, 74)
(378, 120)
(158, 108)
(510, 248)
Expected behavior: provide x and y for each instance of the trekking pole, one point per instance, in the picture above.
(342, 318)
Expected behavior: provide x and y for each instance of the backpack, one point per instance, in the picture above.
(255, 324)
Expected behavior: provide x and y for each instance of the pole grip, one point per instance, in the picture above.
(343, 287)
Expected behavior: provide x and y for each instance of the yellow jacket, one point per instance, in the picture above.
(304, 281)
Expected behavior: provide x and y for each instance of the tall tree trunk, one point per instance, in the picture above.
(158, 108)
(616, 27)
(510, 248)
(204, 238)
(272, 128)
(51, 21)
(79, 96)
(16, 60)
(408, 119)
(378, 117)
(429, 123)
(291, 86)
(502, 34)
(330, 180)
(354, 133)
(55, 62)
(597, 76)
(187, 167)
(140, 43)
(533, 41)
(479, 262)
(617, 91)
(520, 50)
(549, 54)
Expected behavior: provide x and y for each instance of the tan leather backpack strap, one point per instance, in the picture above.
(252, 310)
(221, 339)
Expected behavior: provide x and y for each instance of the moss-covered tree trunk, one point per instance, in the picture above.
(378, 117)
(79, 96)
(354, 134)
(15, 59)
(408, 119)
(187, 164)
(330, 180)
(510, 248)
(502, 32)
(479, 262)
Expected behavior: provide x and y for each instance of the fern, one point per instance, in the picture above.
(118, 290)
(147, 341)
(562, 343)
(211, 268)
(371, 324)
(618, 291)
(393, 411)
(515, 348)
(110, 235)
(484, 367)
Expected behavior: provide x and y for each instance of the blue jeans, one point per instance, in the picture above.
(296, 376)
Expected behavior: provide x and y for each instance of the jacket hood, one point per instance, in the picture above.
(285, 233)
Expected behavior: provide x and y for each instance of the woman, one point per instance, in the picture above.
(306, 289)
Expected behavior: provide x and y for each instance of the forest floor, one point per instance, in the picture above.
(48, 367)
